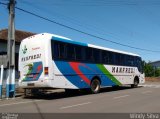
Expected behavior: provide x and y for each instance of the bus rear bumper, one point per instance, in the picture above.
(34, 84)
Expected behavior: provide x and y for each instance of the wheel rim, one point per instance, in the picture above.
(136, 83)
(95, 86)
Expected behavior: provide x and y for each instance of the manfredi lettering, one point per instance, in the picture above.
(32, 57)
(123, 70)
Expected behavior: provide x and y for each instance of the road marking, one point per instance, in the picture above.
(123, 96)
(19, 103)
(146, 92)
(75, 105)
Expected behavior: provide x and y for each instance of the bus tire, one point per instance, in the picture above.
(136, 82)
(35, 92)
(27, 92)
(95, 86)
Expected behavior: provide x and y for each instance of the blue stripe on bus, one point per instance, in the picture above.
(90, 70)
(70, 74)
(69, 41)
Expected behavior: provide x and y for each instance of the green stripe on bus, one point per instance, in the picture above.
(108, 74)
(29, 70)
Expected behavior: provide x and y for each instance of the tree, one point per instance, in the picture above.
(157, 72)
(150, 71)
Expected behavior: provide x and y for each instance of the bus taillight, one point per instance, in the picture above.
(45, 70)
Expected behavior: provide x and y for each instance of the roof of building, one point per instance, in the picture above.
(155, 62)
(19, 35)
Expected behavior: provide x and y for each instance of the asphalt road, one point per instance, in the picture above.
(144, 99)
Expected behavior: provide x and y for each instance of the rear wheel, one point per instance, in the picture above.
(31, 92)
(27, 92)
(135, 84)
(95, 86)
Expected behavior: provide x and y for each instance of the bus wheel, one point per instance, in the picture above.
(27, 92)
(135, 84)
(35, 92)
(95, 86)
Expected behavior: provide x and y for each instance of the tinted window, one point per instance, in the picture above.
(129, 60)
(67, 51)
(78, 52)
(58, 50)
(104, 57)
(107, 57)
(119, 59)
(89, 54)
(55, 50)
(138, 64)
(96, 56)
(122, 59)
(62, 50)
(71, 52)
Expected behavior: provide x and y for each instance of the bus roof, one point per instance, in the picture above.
(68, 40)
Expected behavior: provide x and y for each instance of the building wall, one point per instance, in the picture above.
(156, 64)
(3, 57)
(3, 47)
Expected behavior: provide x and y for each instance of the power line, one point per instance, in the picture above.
(100, 3)
(3, 3)
(74, 29)
(83, 31)
(71, 20)
(99, 31)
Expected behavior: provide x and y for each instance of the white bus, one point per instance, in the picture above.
(52, 61)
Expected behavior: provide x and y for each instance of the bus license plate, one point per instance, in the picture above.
(30, 84)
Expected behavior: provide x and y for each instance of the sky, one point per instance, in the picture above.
(131, 22)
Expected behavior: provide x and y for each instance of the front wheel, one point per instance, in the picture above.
(95, 86)
(135, 84)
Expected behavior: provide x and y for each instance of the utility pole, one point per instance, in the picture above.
(10, 85)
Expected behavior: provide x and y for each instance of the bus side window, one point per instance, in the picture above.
(70, 52)
(104, 57)
(130, 60)
(138, 64)
(96, 56)
(117, 59)
(62, 51)
(107, 57)
(89, 54)
(78, 52)
(122, 59)
(55, 51)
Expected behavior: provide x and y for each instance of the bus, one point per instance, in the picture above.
(51, 61)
